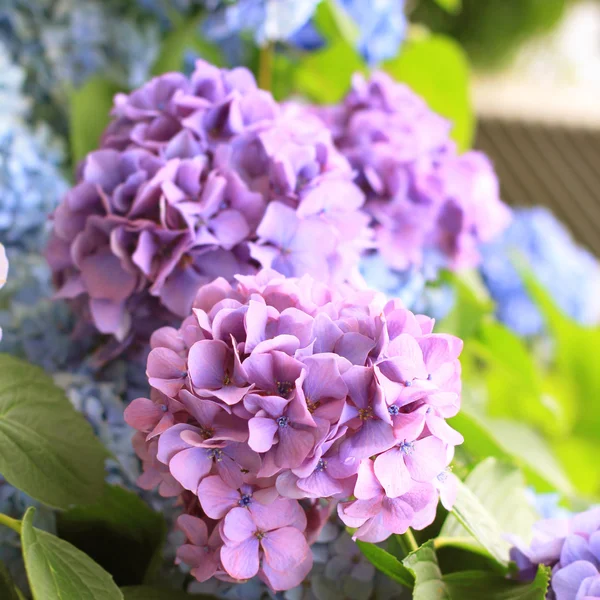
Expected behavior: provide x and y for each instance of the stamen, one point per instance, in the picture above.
(283, 422)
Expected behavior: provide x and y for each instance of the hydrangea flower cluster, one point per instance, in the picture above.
(571, 547)
(199, 177)
(427, 202)
(280, 396)
(569, 273)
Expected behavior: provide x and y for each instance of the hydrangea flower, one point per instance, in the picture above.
(571, 547)
(199, 177)
(62, 43)
(381, 28)
(425, 200)
(279, 394)
(267, 20)
(569, 273)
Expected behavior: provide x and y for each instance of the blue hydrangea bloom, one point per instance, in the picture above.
(267, 20)
(569, 273)
(381, 29)
(412, 286)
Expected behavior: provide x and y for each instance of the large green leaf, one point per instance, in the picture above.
(59, 571)
(47, 449)
(478, 521)
(185, 36)
(452, 6)
(386, 563)
(514, 442)
(430, 584)
(146, 592)
(500, 488)
(437, 68)
(119, 531)
(90, 107)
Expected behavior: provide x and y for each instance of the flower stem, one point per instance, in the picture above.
(13, 524)
(408, 539)
(265, 67)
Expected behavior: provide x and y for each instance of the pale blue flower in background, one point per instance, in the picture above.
(413, 286)
(267, 20)
(547, 505)
(570, 274)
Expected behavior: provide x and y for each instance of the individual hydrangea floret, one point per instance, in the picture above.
(280, 394)
(570, 274)
(198, 177)
(424, 198)
(571, 547)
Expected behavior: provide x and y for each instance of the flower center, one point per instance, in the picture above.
(312, 406)
(393, 409)
(206, 432)
(187, 260)
(321, 465)
(226, 378)
(163, 407)
(429, 377)
(284, 388)
(259, 534)
(408, 383)
(245, 500)
(216, 454)
(364, 414)
(283, 422)
(406, 448)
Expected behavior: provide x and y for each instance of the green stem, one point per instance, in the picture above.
(409, 540)
(13, 524)
(265, 67)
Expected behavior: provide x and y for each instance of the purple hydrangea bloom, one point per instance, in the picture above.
(423, 197)
(199, 177)
(570, 274)
(571, 547)
(279, 397)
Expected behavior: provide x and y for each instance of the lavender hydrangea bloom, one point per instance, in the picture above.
(571, 547)
(424, 198)
(200, 177)
(569, 273)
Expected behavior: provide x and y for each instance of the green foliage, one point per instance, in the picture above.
(451, 6)
(185, 36)
(48, 450)
(59, 571)
(437, 68)
(387, 563)
(89, 115)
(324, 76)
(431, 584)
(119, 531)
(491, 31)
(499, 488)
(8, 589)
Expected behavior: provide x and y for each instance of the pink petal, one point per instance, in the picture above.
(190, 466)
(287, 580)
(427, 460)
(216, 497)
(284, 548)
(239, 525)
(143, 414)
(241, 560)
(206, 363)
(194, 528)
(262, 431)
(392, 472)
(396, 515)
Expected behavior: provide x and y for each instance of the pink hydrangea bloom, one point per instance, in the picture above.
(425, 199)
(199, 177)
(279, 398)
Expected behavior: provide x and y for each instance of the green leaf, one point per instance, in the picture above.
(514, 442)
(47, 449)
(437, 68)
(59, 571)
(185, 36)
(8, 589)
(451, 6)
(471, 515)
(386, 563)
(430, 584)
(332, 21)
(500, 488)
(145, 592)
(476, 585)
(90, 107)
(119, 531)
